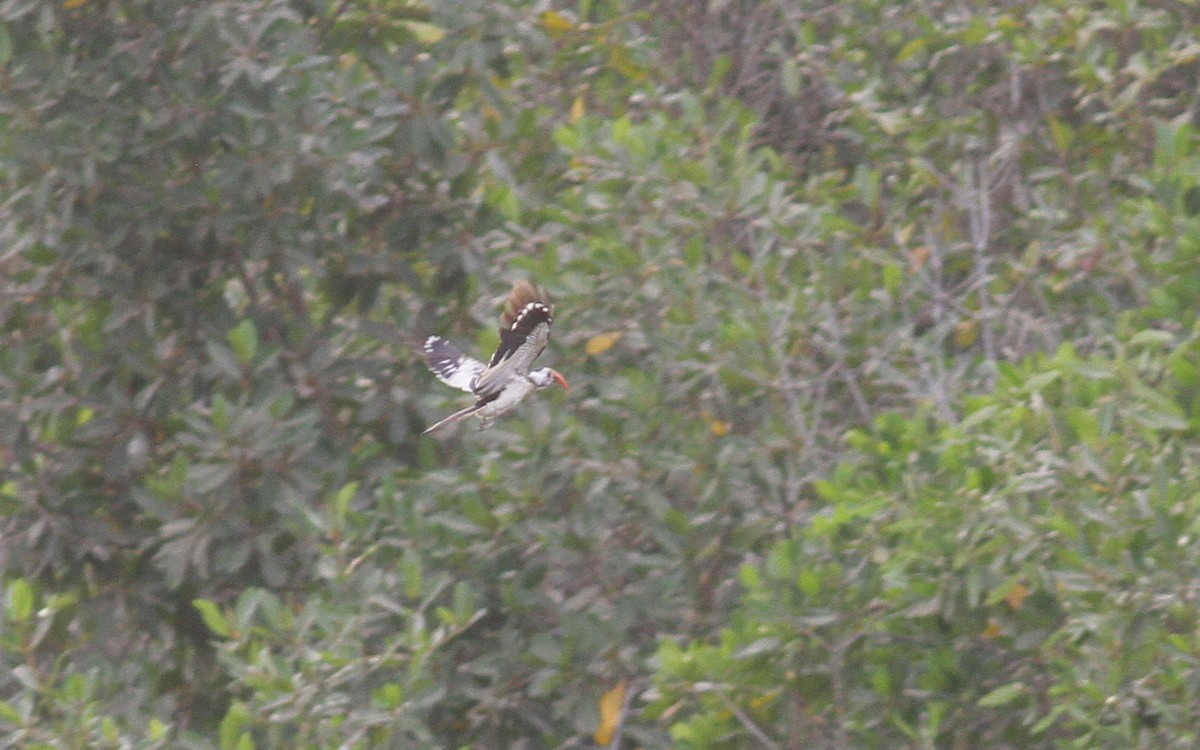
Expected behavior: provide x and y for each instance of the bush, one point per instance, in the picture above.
(226, 223)
(1022, 579)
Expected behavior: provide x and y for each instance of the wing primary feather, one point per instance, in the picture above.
(450, 365)
(523, 330)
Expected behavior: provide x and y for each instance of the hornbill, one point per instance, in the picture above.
(499, 385)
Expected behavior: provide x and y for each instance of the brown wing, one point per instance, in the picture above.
(524, 331)
(523, 293)
(525, 312)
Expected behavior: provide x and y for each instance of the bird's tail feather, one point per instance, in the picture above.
(456, 416)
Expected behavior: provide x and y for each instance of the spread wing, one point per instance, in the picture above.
(524, 331)
(451, 366)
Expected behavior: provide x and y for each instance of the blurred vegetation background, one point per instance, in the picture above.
(880, 320)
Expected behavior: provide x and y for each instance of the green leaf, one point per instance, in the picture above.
(108, 727)
(976, 30)
(720, 68)
(1049, 719)
(425, 33)
(214, 618)
(751, 577)
(230, 733)
(244, 340)
(19, 600)
(389, 697)
(622, 132)
(1061, 133)
(1036, 383)
(341, 502)
(809, 582)
(9, 714)
(1152, 338)
(828, 490)
(6, 45)
(156, 730)
(462, 602)
(568, 138)
(1003, 695)
(1157, 411)
(220, 413)
(911, 48)
(768, 645)
(412, 571)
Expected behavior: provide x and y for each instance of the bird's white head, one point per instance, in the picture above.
(544, 377)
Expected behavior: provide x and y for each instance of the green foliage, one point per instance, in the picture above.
(1018, 580)
(199, 194)
(63, 701)
(817, 482)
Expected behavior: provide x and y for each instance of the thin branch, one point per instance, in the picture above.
(746, 721)
(787, 381)
(842, 366)
(937, 379)
(979, 213)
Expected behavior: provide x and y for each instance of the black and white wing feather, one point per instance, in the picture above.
(450, 365)
(521, 343)
(500, 384)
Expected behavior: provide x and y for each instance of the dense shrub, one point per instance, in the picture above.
(792, 249)
(1043, 593)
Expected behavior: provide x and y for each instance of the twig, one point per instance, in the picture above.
(937, 379)
(746, 721)
(979, 213)
(843, 367)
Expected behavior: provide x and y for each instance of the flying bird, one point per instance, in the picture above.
(506, 379)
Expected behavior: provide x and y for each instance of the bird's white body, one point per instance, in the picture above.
(513, 394)
(506, 380)
(516, 390)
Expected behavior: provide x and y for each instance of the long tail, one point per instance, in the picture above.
(456, 416)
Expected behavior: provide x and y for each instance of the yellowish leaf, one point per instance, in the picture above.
(425, 33)
(602, 342)
(910, 49)
(579, 165)
(70, 4)
(577, 109)
(556, 23)
(620, 61)
(764, 699)
(992, 630)
(1016, 596)
(965, 333)
(610, 713)
(719, 427)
